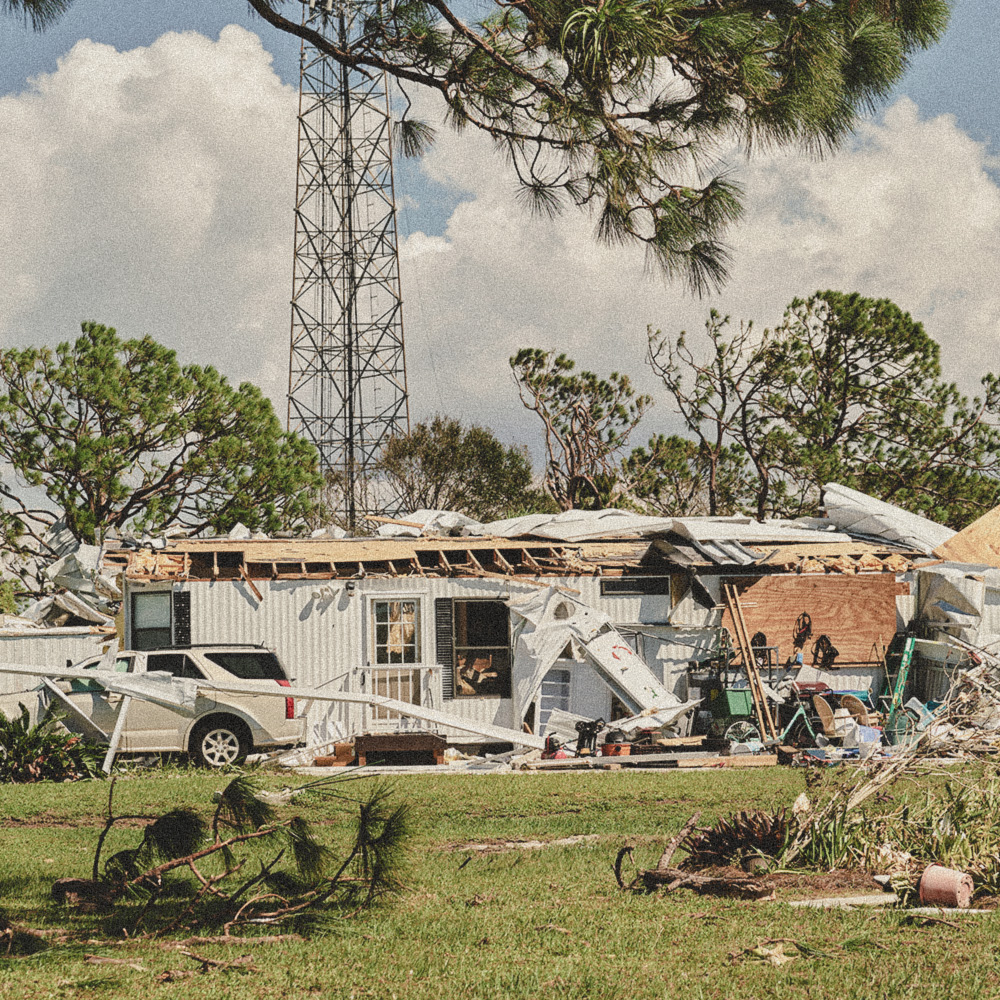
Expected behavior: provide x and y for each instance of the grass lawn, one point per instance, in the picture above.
(545, 924)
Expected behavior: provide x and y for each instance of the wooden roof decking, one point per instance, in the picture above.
(473, 557)
(323, 559)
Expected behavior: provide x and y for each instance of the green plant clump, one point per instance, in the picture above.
(43, 752)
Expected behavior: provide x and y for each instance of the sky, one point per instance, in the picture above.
(149, 165)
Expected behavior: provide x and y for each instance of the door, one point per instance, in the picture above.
(149, 726)
(554, 694)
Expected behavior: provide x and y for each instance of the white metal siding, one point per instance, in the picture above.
(322, 634)
(41, 651)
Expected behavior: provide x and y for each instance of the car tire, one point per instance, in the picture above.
(218, 742)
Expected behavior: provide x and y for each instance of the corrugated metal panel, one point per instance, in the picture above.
(991, 610)
(906, 611)
(846, 678)
(41, 651)
(932, 680)
(53, 650)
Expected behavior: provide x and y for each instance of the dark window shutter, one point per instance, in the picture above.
(181, 611)
(445, 644)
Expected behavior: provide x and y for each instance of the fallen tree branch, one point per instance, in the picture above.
(623, 852)
(232, 939)
(244, 963)
(667, 855)
(736, 886)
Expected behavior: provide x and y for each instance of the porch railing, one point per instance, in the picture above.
(403, 682)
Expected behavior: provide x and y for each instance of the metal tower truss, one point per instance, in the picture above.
(347, 368)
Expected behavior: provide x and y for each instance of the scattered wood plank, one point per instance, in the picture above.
(749, 760)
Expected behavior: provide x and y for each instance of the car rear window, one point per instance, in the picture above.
(249, 666)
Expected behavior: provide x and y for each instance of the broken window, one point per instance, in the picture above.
(481, 649)
(396, 631)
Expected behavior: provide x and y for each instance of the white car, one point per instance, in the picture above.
(225, 727)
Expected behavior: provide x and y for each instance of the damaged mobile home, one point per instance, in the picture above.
(599, 614)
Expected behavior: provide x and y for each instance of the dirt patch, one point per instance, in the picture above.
(53, 822)
(807, 884)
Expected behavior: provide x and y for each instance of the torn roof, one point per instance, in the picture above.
(481, 557)
(861, 535)
(863, 516)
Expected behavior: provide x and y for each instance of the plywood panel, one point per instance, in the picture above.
(856, 612)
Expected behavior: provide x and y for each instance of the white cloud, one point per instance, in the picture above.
(908, 211)
(153, 190)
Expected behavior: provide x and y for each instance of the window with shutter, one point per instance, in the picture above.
(445, 644)
(150, 626)
(182, 617)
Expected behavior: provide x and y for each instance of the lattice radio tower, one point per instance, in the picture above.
(347, 368)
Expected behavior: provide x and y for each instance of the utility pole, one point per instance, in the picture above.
(347, 366)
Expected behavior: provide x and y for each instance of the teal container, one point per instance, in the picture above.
(899, 729)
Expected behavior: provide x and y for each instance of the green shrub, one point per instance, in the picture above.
(43, 752)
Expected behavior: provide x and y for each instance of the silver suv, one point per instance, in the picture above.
(225, 727)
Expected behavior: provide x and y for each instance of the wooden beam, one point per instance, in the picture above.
(530, 561)
(251, 584)
(501, 562)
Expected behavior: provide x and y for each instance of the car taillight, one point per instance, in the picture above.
(289, 702)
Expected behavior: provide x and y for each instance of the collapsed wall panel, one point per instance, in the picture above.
(551, 621)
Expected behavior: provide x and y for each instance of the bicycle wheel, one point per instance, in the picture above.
(801, 736)
(742, 732)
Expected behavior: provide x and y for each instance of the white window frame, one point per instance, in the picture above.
(168, 592)
(371, 600)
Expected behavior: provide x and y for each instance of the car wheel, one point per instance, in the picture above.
(219, 742)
